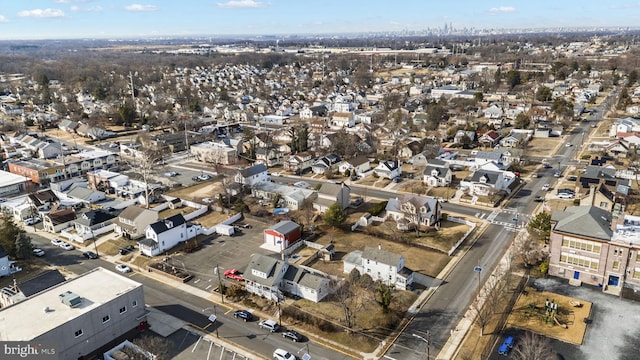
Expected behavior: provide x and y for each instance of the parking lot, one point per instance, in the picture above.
(223, 252)
(189, 345)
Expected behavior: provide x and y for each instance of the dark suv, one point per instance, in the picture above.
(127, 249)
(243, 314)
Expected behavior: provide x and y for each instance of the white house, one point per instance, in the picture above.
(624, 125)
(300, 282)
(493, 112)
(437, 173)
(342, 120)
(165, 234)
(380, 265)
(263, 276)
(252, 175)
(7, 267)
(410, 211)
(484, 182)
(388, 169)
(359, 164)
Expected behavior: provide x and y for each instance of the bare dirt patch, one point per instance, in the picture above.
(196, 192)
(529, 314)
(542, 146)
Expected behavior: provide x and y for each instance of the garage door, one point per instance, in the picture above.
(270, 239)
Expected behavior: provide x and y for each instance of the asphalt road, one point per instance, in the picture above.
(191, 309)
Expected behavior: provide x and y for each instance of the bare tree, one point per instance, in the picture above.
(528, 249)
(156, 345)
(533, 347)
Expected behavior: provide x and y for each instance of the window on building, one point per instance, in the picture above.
(636, 273)
(105, 319)
(78, 333)
(135, 303)
(583, 245)
(604, 204)
(616, 265)
(123, 310)
(573, 259)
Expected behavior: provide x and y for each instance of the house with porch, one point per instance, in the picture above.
(381, 265)
(132, 221)
(437, 173)
(263, 276)
(411, 211)
(388, 169)
(486, 182)
(324, 163)
(164, 234)
(359, 165)
(305, 284)
(298, 163)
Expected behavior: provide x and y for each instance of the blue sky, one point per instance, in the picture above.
(46, 19)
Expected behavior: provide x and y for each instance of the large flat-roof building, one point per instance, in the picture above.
(78, 316)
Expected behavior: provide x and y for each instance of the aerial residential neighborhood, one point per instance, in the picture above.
(389, 197)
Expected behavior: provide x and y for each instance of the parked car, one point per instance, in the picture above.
(243, 314)
(281, 354)
(539, 198)
(233, 274)
(38, 252)
(293, 335)
(90, 255)
(357, 202)
(397, 179)
(270, 325)
(127, 249)
(276, 174)
(207, 200)
(123, 268)
(569, 145)
(56, 242)
(566, 195)
(204, 177)
(195, 178)
(67, 246)
(557, 173)
(572, 178)
(171, 174)
(31, 220)
(546, 187)
(547, 166)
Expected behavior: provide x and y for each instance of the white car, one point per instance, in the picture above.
(171, 174)
(56, 242)
(569, 145)
(38, 252)
(207, 200)
(281, 354)
(67, 246)
(123, 268)
(546, 187)
(31, 220)
(566, 195)
(276, 174)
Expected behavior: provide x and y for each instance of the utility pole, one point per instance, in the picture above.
(220, 285)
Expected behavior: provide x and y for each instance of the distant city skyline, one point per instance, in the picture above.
(77, 19)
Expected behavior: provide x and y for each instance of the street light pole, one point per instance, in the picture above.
(427, 340)
(220, 285)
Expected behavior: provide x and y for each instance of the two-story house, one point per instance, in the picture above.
(411, 211)
(381, 265)
(388, 169)
(324, 163)
(329, 194)
(164, 234)
(263, 276)
(437, 173)
(93, 223)
(252, 175)
(132, 221)
(486, 182)
(298, 163)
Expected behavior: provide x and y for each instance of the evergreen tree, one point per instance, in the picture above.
(334, 216)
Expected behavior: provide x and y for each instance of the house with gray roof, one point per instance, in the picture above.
(437, 173)
(164, 234)
(486, 182)
(409, 211)
(133, 220)
(307, 285)
(329, 194)
(381, 265)
(252, 175)
(263, 276)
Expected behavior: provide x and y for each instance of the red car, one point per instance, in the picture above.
(233, 274)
